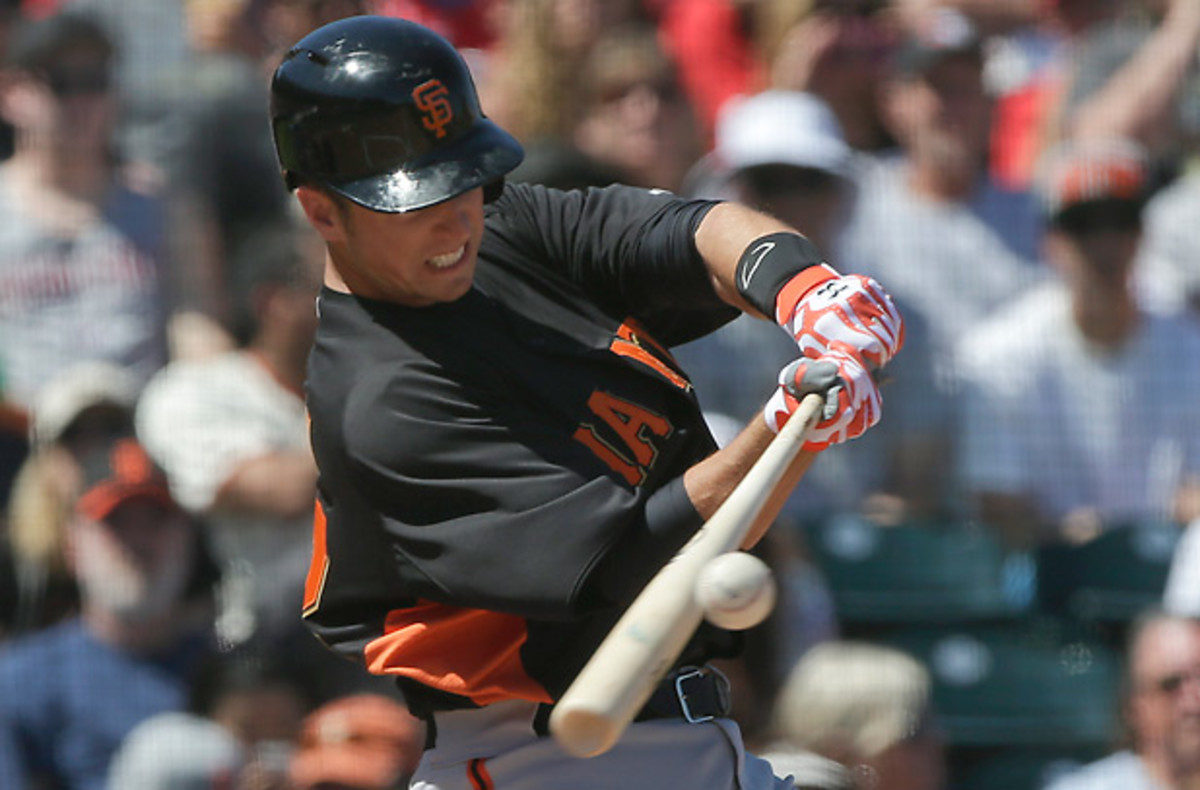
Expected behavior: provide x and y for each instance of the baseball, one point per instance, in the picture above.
(736, 591)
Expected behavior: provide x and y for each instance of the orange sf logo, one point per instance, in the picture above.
(431, 100)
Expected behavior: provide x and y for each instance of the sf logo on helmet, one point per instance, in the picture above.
(435, 107)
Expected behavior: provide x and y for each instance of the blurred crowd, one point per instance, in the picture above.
(1021, 175)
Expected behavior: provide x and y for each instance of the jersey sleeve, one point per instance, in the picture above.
(631, 250)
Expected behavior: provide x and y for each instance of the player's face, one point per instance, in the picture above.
(416, 259)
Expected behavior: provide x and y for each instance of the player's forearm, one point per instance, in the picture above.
(710, 482)
(723, 235)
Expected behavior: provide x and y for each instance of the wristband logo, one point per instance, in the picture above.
(436, 109)
(757, 256)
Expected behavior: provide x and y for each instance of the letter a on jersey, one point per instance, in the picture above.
(632, 426)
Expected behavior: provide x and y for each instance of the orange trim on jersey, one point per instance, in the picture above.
(634, 332)
(795, 289)
(631, 341)
(478, 776)
(318, 567)
(469, 652)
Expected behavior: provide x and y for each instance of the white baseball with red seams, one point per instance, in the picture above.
(736, 591)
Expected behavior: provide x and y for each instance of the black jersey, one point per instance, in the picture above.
(500, 475)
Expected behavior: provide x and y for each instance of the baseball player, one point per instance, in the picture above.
(507, 449)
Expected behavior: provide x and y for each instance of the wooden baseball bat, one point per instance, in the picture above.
(644, 644)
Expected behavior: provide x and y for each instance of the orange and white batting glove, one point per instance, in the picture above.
(852, 400)
(851, 309)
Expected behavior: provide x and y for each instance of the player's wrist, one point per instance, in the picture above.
(775, 272)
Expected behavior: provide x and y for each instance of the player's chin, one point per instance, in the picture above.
(454, 285)
(449, 283)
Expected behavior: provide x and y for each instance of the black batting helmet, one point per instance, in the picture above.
(384, 112)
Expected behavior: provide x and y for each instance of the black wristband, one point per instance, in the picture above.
(767, 265)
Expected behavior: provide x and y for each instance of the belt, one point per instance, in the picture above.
(694, 694)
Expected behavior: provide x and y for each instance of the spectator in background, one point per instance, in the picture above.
(1031, 56)
(713, 42)
(836, 49)
(10, 15)
(259, 697)
(1077, 404)
(178, 751)
(783, 152)
(72, 692)
(214, 154)
(151, 37)
(1168, 270)
(931, 224)
(528, 80)
(359, 742)
(1137, 77)
(987, 15)
(1161, 712)
(82, 410)
(858, 716)
(633, 116)
(465, 23)
(82, 268)
(285, 22)
(231, 433)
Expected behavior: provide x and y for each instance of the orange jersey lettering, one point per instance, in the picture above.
(634, 427)
(633, 342)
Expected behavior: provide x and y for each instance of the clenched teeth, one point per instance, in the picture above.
(448, 259)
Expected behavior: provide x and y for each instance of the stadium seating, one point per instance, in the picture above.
(1110, 578)
(917, 573)
(1034, 682)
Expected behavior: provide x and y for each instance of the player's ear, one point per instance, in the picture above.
(322, 212)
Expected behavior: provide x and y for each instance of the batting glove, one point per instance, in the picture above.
(852, 400)
(851, 309)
